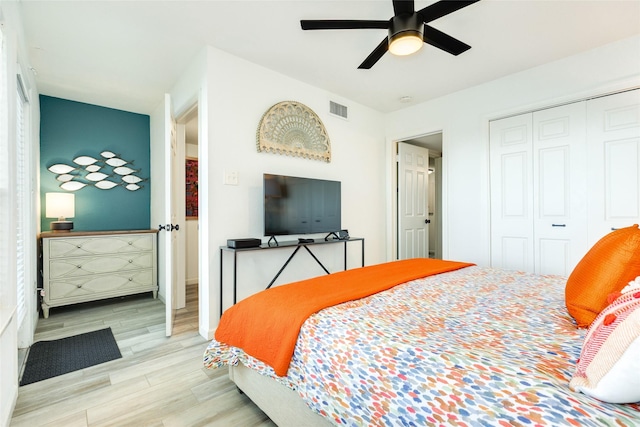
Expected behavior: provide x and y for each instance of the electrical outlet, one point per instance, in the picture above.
(230, 177)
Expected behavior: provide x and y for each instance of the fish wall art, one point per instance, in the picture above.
(105, 173)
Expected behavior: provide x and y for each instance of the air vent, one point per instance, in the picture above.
(338, 110)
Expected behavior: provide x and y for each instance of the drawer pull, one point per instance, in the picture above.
(130, 261)
(130, 243)
(78, 246)
(79, 266)
(131, 279)
(79, 286)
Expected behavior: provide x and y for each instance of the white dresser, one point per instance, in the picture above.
(86, 266)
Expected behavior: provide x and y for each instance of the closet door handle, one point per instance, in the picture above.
(558, 225)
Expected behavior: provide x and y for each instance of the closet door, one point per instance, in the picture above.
(614, 163)
(511, 193)
(559, 188)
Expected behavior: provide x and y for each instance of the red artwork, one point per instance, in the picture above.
(191, 193)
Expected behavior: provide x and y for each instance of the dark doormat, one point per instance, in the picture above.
(48, 359)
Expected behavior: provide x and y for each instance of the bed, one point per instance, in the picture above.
(474, 346)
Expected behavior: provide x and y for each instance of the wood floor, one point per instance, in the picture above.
(159, 381)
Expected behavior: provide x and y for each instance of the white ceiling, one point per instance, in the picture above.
(127, 54)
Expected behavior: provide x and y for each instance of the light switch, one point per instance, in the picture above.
(230, 177)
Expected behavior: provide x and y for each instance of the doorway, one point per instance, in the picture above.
(431, 143)
(187, 304)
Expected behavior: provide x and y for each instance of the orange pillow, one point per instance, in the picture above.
(609, 265)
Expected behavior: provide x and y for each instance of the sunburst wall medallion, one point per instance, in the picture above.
(292, 128)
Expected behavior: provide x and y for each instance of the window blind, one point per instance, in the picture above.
(21, 191)
(5, 212)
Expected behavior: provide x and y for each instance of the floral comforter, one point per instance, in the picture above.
(473, 347)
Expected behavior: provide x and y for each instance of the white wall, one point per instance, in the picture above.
(238, 94)
(232, 95)
(464, 117)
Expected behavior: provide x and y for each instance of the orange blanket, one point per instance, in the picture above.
(266, 325)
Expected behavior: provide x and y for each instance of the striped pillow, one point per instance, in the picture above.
(609, 364)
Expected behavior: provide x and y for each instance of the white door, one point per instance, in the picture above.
(614, 163)
(170, 257)
(178, 218)
(413, 201)
(559, 188)
(511, 193)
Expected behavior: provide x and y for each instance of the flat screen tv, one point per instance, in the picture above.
(294, 205)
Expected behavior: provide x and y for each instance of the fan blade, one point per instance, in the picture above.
(443, 41)
(401, 7)
(375, 55)
(442, 8)
(341, 24)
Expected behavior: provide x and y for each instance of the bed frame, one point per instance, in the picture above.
(283, 405)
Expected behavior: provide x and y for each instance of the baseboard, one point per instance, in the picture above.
(206, 333)
(10, 408)
(161, 298)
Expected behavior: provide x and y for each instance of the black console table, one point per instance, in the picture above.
(282, 245)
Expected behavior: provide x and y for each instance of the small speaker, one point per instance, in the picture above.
(343, 235)
(243, 243)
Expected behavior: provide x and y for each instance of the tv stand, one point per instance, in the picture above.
(274, 239)
(294, 244)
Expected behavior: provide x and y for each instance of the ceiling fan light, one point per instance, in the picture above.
(405, 43)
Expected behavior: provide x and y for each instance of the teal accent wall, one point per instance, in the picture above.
(69, 129)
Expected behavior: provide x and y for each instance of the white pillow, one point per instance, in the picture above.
(609, 364)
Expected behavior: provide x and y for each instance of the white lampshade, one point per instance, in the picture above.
(60, 205)
(405, 43)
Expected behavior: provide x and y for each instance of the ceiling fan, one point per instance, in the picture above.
(407, 28)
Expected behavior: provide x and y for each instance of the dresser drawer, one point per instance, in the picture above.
(87, 266)
(84, 246)
(89, 288)
(83, 266)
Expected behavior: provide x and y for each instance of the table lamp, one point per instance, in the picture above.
(61, 206)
